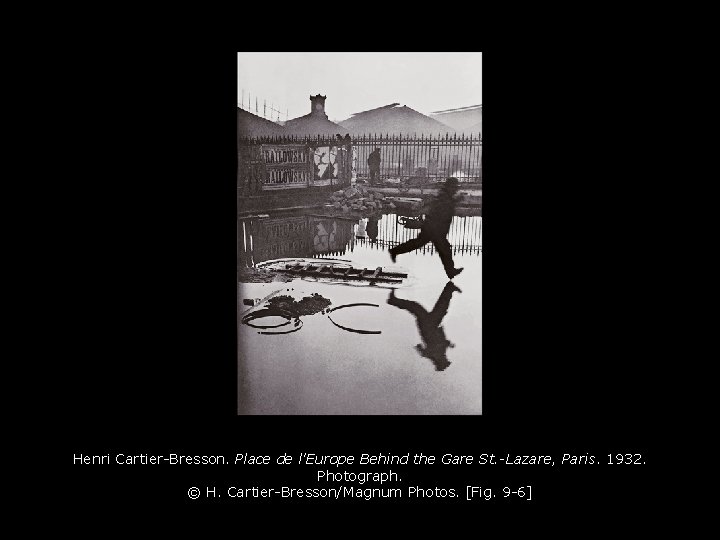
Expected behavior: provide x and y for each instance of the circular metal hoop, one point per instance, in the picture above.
(354, 330)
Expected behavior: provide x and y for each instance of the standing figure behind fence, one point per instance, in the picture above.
(344, 145)
(348, 157)
(373, 162)
(435, 227)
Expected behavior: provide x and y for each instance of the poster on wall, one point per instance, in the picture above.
(286, 166)
(326, 165)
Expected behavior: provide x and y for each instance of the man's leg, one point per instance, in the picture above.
(445, 251)
(410, 245)
(442, 305)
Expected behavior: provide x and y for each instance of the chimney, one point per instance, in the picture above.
(317, 106)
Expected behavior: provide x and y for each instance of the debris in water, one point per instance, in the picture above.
(308, 305)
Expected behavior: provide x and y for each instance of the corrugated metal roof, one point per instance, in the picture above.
(376, 109)
(394, 119)
(468, 108)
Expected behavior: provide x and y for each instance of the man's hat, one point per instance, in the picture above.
(441, 363)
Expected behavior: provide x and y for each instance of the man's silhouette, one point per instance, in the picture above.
(436, 344)
(435, 228)
(345, 143)
(372, 228)
(373, 162)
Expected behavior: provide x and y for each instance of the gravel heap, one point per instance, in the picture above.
(360, 199)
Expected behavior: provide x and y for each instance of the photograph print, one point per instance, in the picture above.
(359, 233)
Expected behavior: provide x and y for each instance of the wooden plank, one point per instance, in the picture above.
(394, 274)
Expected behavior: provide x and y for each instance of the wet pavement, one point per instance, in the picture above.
(317, 345)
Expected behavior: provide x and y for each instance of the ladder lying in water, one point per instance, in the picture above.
(329, 271)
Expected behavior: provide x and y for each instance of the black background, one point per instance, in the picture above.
(144, 258)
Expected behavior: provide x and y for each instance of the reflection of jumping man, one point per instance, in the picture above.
(436, 344)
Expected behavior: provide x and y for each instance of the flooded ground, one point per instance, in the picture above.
(325, 346)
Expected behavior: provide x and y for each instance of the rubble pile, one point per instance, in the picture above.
(360, 199)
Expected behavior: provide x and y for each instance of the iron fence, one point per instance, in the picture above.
(421, 159)
(464, 235)
(403, 159)
(264, 239)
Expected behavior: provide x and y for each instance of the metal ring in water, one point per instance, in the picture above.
(356, 331)
(286, 332)
(352, 305)
(268, 312)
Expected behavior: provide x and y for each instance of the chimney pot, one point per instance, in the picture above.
(317, 105)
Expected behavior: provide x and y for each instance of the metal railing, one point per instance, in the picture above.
(423, 158)
(406, 159)
(262, 239)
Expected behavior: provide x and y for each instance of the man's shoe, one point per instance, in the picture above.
(455, 272)
(454, 288)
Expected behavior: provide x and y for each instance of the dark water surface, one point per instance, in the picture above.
(323, 364)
